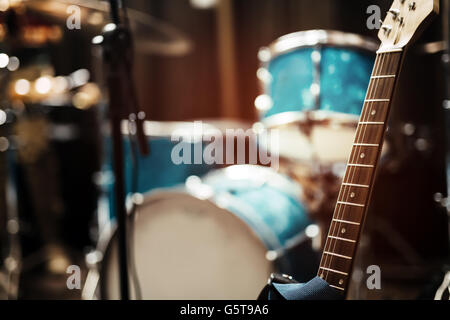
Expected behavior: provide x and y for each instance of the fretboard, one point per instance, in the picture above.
(354, 196)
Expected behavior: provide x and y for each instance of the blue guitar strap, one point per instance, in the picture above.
(315, 289)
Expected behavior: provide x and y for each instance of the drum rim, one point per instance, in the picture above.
(290, 117)
(315, 37)
(165, 129)
(270, 177)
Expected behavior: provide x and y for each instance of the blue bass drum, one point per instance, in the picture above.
(217, 237)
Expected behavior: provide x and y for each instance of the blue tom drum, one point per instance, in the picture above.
(315, 77)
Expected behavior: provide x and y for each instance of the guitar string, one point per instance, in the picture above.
(377, 89)
(350, 174)
(328, 258)
(385, 84)
(346, 191)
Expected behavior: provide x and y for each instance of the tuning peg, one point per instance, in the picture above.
(412, 6)
(386, 29)
(394, 12)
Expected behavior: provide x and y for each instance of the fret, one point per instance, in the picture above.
(355, 185)
(367, 144)
(389, 51)
(342, 239)
(337, 255)
(360, 165)
(346, 203)
(377, 100)
(336, 287)
(371, 122)
(385, 76)
(336, 271)
(348, 222)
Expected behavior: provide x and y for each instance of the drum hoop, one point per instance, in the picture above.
(105, 246)
(313, 38)
(164, 129)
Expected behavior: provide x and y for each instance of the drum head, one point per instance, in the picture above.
(186, 248)
(326, 144)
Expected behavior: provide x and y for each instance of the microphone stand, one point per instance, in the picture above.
(446, 103)
(446, 61)
(118, 55)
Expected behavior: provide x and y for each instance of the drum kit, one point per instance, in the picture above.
(210, 231)
(232, 227)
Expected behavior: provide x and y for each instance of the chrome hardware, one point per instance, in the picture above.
(395, 13)
(387, 29)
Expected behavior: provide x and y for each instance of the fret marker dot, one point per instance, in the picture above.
(373, 112)
(352, 195)
(343, 230)
(362, 155)
(341, 281)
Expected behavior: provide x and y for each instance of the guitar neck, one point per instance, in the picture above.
(354, 196)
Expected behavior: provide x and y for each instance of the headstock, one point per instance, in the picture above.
(403, 20)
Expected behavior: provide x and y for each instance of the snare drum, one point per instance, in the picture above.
(217, 237)
(314, 83)
(157, 170)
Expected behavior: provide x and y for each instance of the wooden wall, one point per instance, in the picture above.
(180, 88)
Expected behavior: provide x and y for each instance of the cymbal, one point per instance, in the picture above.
(151, 35)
